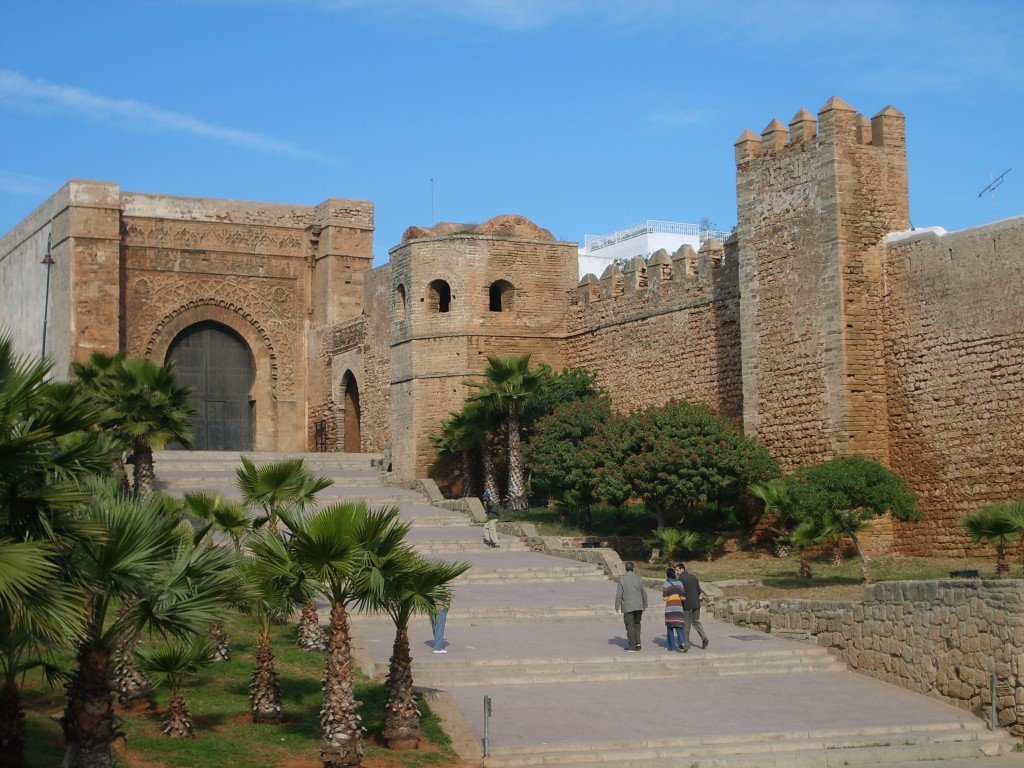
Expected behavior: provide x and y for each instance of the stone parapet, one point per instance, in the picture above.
(945, 638)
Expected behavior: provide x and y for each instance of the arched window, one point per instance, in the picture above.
(501, 294)
(440, 296)
(400, 302)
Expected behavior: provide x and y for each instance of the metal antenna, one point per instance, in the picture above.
(431, 201)
(993, 184)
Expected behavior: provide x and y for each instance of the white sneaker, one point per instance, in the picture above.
(441, 651)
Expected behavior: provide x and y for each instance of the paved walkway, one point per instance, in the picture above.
(537, 634)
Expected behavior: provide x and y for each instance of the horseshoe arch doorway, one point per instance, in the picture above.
(218, 363)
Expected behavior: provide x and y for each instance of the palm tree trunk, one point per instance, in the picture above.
(516, 485)
(144, 475)
(264, 690)
(311, 634)
(468, 484)
(1002, 564)
(341, 742)
(401, 716)
(221, 649)
(12, 725)
(131, 685)
(837, 553)
(805, 566)
(178, 720)
(89, 715)
(490, 474)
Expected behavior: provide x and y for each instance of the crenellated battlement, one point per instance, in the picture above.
(661, 281)
(836, 123)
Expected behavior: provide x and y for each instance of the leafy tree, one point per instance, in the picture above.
(141, 556)
(350, 549)
(146, 409)
(997, 524)
(554, 451)
(850, 491)
(510, 386)
(676, 457)
(171, 665)
(566, 386)
(418, 587)
(48, 444)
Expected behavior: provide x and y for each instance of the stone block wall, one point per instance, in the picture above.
(815, 200)
(942, 638)
(667, 328)
(954, 358)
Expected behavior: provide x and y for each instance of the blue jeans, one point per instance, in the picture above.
(674, 637)
(437, 624)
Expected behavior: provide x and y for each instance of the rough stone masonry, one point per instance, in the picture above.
(823, 324)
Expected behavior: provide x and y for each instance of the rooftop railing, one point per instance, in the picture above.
(596, 242)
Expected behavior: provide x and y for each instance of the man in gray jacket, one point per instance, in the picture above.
(631, 599)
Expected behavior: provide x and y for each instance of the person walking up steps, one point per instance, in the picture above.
(631, 599)
(672, 592)
(691, 608)
(491, 526)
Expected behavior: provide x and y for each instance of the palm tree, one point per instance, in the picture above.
(998, 525)
(271, 488)
(673, 542)
(170, 665)
(806, 535)
(348, 548)
(147, 409)
(774, 495)
(509, 386)
(213, 517)
(48, 443)
(418, 587)
(469, 433)
(277, 584)
(142, 556)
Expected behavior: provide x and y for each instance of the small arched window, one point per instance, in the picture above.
(400, 302)
(440, 296)
(501, 293)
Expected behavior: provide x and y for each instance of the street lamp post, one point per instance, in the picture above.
(48, 261)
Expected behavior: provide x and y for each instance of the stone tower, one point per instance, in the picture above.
(459, 294)
(815, 201)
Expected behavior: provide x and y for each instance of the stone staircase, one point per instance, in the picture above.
(877, 746)
(662, 666)
(539, 635)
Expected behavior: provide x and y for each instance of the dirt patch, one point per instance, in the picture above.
(130, 759)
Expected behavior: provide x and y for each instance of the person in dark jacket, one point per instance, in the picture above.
(691, 608)
(631, 599)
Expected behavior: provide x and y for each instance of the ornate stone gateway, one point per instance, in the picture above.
(218, 363)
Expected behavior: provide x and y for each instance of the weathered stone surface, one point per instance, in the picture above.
(943, 638)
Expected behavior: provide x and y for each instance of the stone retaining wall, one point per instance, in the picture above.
(943, 638)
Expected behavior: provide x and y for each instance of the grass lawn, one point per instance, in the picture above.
(781, 579)
(631, 520)
(226, 738)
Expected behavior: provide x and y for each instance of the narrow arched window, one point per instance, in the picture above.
(501, 294)
(440, 296)
(400, 302)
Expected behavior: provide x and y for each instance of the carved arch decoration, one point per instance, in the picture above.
(264, 392)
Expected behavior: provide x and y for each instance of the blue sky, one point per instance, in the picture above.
(584, 115)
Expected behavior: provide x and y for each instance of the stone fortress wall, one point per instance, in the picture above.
(954, 361)
(666, 328)
(813, 326)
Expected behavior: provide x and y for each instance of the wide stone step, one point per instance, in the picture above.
(662, 665)
(809, 749)
(213, 459)
(437, 521)
(454, 547)
(499, 615)
(532, 575)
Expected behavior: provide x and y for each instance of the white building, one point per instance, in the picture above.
(641, 239)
